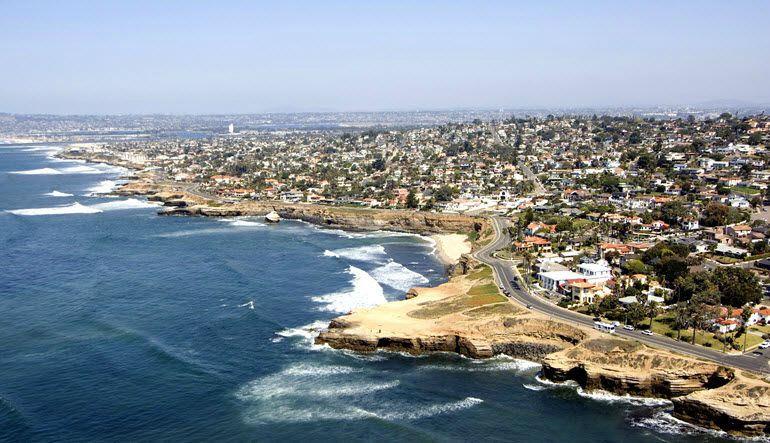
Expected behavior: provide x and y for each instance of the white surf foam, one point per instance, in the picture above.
(42, 149)
(498, 363)
(533, 387)
(244, 223)
(372, 253)
(307, 332)
(664, 423)
(75, 208)
(58, 194)
(103, 187)
(82, 169)
(398, 276)
(119, 205)
(433, 410)
(40, 171)
(365, 293)
(308, 392)
(608, 397)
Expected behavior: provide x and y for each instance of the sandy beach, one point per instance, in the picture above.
(449, 247)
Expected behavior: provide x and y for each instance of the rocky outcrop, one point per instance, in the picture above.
(341, 218)
(741, 407)
(628, 367)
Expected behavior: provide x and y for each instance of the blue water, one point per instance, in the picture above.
(118, 324)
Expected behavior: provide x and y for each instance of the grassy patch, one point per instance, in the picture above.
(472, 236)
(504, 308)
(663, 324)
(745, 190)
(483, 294)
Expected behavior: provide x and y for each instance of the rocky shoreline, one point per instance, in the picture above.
(462, 316)
(459, 317)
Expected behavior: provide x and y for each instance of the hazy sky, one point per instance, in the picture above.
(239, 57)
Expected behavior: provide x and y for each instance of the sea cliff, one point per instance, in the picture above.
(468, 316)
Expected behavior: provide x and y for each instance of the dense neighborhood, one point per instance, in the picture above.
(653, 223)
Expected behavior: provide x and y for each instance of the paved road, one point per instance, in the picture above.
(504, 273)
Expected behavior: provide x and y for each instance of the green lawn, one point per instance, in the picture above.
(664, 323)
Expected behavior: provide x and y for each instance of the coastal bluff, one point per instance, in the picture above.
(179, 202)
(468, 316)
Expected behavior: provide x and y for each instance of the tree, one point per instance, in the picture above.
(737, 286)
(671, 268)
(635, 313)
(444, 193)
(635, 266)
(411, 200)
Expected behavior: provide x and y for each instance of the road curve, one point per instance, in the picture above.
(504, 274)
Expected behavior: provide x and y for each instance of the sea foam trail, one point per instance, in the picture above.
(398, 276)
(58, 194)
(307, 392)
(372, 253)
(365, 293)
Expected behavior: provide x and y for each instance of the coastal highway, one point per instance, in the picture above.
(504, 273)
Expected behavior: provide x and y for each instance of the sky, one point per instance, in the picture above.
(193, 57)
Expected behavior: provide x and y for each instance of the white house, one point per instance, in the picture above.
(595, 272)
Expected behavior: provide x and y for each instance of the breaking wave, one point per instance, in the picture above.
(75, 208)
(58, 194)
(40, 171)
(118, 205)
(365, 293)
(103, 187)
(371, 253)
(608, 397)
(398, 276)
(78, 208)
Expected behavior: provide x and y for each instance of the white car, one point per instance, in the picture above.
(765, 345)
(647, 332)
(628, 328)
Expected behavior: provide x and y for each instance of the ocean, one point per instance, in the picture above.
(117, 324)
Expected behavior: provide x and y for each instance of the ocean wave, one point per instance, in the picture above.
(307, 333)
(40, 171)
(398, 276)
(130, 203)
(371, 253)
(69, 170)
(103, 187)
(498, 363)
(243, 223)
(78, 208)
(608, 397)
(75, 208)
(663, 422)
(42, 149)
(365, 293)
(533, 387)
(553, 384)
(57, 194)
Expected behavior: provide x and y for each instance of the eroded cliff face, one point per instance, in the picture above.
(467, 315)
(741, 407)
(179, 202)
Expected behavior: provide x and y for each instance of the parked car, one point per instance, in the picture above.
(628, 328)
(765, 345)
(647, 332)
(529, 306)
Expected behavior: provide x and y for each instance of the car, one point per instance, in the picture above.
(628, 328)
(597, 319)
(757, 353)
(507, 292)
(647, 332)
(529, 306)
(765, 345)
(501, 287)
